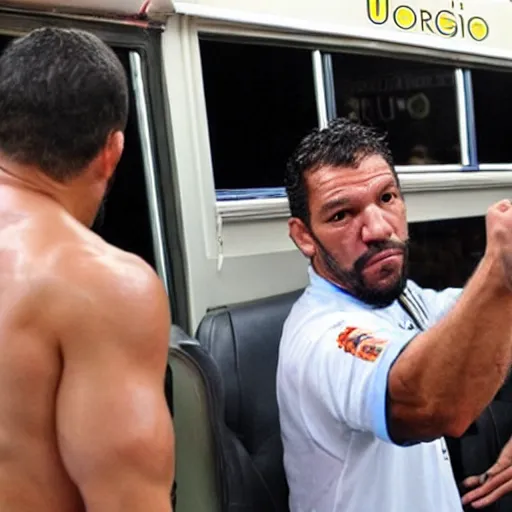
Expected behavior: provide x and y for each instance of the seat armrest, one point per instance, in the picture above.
(179, 337)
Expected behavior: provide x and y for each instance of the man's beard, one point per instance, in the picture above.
(353, 278)
(100, 215)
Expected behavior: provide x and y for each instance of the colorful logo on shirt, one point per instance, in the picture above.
(361, 343)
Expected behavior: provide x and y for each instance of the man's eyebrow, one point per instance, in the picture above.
(392, 182)
(334, 203)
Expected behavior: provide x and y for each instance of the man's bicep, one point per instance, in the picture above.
(114, 426)
(114, 430)
(348, 375)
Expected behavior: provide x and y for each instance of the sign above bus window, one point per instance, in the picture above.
(447, 23)
(452, 21)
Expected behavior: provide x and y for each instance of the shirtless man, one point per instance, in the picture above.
(84, 327)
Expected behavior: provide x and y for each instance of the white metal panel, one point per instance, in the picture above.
(106, 7)
(474, 27)
(256, 256)
(452, 204)
(190, 143)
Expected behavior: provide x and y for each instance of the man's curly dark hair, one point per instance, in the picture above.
(343, 143)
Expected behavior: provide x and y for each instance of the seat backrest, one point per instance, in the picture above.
(244, 342)
(213, 471)
(196, 453)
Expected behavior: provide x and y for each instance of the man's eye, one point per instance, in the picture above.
(387, 197)
(339, 216)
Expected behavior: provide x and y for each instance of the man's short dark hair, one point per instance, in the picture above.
(62, 91)
(343, 143)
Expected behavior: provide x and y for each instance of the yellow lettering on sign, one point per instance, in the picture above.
(405, 17)
(478, 28)
(445, 23)
(378, 11)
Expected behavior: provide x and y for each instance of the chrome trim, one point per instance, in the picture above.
(321, 100)
(253, 209)
(495, 167)
(470, 114)
(155, 214)
(433, 182)
(462, 116)
(330, 86)
(407, 169)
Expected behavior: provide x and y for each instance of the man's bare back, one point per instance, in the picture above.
(84, 326)
(49, 265)
(32, 474)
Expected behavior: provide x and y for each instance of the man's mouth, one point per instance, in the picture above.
(383, 255)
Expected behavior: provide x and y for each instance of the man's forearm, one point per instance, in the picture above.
(448, 374)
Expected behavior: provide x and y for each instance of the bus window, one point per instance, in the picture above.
(493, 111)
(413, 102)
(446, 252)
(260, 102)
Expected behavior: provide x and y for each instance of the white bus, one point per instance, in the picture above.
(222, 91)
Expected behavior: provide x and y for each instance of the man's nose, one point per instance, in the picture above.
(376, 226)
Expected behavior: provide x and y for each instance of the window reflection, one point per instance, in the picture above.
(413, 102)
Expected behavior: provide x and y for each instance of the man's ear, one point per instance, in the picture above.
(301, 236)
(111, 153)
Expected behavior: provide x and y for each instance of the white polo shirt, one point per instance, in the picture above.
(334, 360)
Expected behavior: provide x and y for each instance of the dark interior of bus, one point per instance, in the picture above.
(126, 221)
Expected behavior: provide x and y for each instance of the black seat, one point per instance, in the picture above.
(214, 473)
(194, 396)
(244, 341)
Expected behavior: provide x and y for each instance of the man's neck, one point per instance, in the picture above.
(38, 187)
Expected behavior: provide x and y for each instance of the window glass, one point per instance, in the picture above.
(415, 103)
(493, 110)
(260, 102)
(445, 253)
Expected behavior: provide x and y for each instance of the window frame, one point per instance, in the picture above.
(484, 166)
(412, 178)
(465, 123)
(240, 195)
(322, 72)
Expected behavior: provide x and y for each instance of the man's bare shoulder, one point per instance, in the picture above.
(104, 282)
(112, 273)
(99, 266)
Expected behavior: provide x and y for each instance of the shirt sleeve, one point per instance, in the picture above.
(346, 373)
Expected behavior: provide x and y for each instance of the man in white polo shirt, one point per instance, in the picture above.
(374, 370)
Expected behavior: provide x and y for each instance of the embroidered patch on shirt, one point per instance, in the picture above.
(361, 343)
